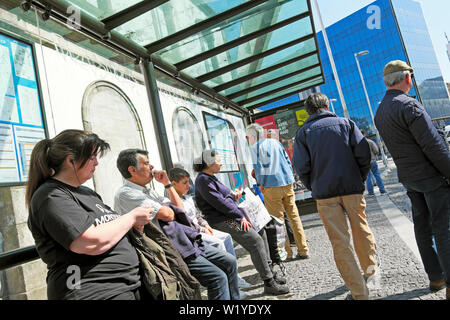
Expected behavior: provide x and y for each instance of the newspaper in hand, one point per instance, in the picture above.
(255, 210)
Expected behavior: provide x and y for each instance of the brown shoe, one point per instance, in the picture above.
(437, 285)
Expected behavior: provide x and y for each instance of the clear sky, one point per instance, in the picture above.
(436, 12)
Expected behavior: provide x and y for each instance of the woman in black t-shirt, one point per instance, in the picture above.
(82, 240)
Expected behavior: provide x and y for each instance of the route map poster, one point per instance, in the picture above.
(21, 121)
(221, 140)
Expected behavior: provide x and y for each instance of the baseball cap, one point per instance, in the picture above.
(396, 66)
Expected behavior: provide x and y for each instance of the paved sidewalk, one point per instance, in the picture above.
(402, 273)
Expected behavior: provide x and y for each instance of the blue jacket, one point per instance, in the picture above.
(419, 152)
(331, 156)
(183, 235)
(271, 163)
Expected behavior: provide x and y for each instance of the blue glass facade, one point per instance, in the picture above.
(413, 28)
(376, 28)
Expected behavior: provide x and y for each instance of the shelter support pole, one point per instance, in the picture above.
(148, 70)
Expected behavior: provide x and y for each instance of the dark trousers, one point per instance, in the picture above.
(272, 241)
(218, 272)
(289, 231)
(255, 243)
(430, 199)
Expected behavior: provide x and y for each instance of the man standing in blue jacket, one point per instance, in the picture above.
(423, 163)
(332, 159)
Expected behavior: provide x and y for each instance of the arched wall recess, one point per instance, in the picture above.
(109, 113)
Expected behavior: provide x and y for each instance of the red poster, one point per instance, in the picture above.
(267, 122)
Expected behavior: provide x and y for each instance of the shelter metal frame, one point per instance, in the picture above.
(103, 32)
(229, 45)
(200, 26)
(250, 76)
(130, 13)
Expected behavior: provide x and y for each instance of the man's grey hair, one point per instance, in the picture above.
(395, 78)
(255, 130)
(317, 103)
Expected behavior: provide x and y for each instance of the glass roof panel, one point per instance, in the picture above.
(258, 18)
(268, 41)
(172, 17)
(177, 15)
(305, 75)
(305, 47)
(101, 9)
(298, 88)
(297, 65)
(74, 37)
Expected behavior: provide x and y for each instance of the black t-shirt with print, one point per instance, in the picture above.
(58, 214)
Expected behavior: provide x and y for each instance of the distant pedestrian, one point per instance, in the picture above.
(332, 159)
(423, 162)
(374, 172)
(273, 171)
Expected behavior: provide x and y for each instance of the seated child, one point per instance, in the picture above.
(222, 240)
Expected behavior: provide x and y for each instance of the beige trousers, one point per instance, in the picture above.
(277, 198)
(332, 212)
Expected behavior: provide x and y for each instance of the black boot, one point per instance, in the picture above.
(274, 288)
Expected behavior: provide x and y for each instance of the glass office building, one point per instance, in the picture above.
(389, 30)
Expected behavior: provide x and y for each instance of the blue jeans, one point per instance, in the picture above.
(218, 272)
(430, 199)
(374, 172)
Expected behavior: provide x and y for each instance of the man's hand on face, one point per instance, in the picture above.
(161, 176)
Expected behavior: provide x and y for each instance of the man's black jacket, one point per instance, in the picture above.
(419, 152)
(331, 156)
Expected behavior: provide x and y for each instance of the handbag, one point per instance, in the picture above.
(255, 210)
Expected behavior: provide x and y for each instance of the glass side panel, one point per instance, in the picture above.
(296, 78)
(260, 17)
(286, 91)
(278, 57)
(172, 17)
(266, 42)
(301, 64)
(101, 9)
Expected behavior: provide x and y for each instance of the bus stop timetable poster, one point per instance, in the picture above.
(221, 140)
(21, 125)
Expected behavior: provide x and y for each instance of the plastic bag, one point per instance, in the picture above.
(281, 237)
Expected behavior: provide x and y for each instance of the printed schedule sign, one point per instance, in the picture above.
(222, 142)
(21, 124)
